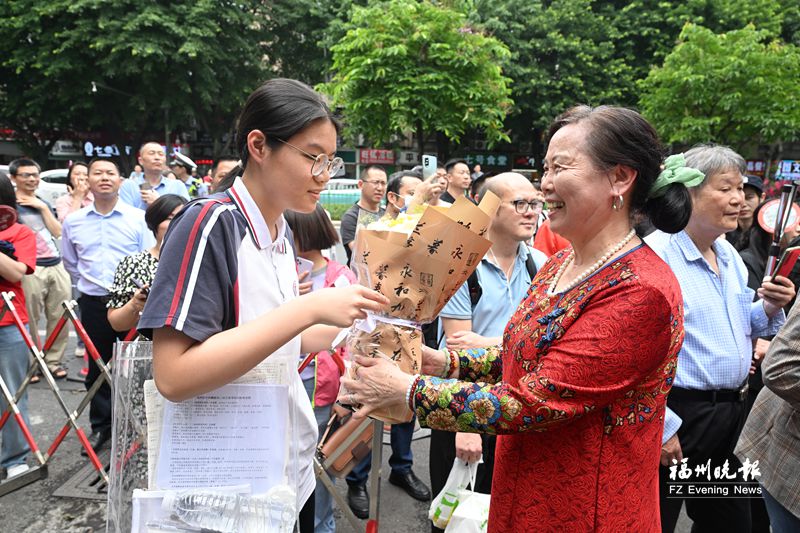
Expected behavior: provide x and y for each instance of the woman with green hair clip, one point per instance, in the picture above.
(577, 391)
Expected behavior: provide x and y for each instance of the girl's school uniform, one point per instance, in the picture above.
(220, 268)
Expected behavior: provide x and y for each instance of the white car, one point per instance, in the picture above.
(53, 185)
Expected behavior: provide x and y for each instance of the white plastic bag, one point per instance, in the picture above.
(461, 475)
(471, 515)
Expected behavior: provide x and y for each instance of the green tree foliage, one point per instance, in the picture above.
(647, 30)
(398, 65)
(726, 15)
(586, 51)
(408, 65)
(197, 59)
(564, 52)
(790, 29)
(567, 57)
(735, 88)
(301, 33)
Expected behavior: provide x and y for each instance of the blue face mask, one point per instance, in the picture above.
(406, 200)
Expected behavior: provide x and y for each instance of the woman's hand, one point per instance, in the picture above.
(80, 190)
(464, 340)
(139, 298)
(341, 307)
(776, 293)
(305, 286)
(434, 362)
(469, 447)
(126, 317)
(378, 383)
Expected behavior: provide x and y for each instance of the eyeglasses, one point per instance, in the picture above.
(321, 162)
(27, 174)
(522, 206)
(378, 184)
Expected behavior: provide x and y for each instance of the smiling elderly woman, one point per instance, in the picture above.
(578, 390)
(706, 407)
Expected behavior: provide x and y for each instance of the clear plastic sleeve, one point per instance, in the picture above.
(253, 435)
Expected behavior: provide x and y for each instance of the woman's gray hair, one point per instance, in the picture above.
(711, 159)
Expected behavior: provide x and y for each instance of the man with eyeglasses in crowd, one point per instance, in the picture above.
(373, 187)
(49, 285)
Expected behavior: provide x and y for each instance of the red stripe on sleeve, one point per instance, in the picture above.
(187, 256)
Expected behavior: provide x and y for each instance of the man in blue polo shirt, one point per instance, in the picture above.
(504, 278)
(143, 191)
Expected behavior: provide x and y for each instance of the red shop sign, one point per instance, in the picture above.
(376, 157)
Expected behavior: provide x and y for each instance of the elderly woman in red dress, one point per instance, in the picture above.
(577, 391)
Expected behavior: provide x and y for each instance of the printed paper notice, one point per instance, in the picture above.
(234, 435)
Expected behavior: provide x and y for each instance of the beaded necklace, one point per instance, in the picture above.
(594, 267)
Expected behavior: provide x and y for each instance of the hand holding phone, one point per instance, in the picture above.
(304, 265)
(431, 187)
(428, 166)
(140, 285)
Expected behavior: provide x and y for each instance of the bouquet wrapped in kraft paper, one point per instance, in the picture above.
(418, 261)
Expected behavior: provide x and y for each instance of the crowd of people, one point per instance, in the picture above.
(620, 327)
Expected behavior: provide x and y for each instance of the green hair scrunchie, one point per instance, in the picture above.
(675, 171)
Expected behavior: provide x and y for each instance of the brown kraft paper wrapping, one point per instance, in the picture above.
(418, 273)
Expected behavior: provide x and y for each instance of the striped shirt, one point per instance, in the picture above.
(720, 317)
(220, 268)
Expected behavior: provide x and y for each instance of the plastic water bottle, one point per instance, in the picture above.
(228, 512)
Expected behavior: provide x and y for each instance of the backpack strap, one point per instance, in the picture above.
(431, 331)
(475, 289)
(530, 265)
(474, 286)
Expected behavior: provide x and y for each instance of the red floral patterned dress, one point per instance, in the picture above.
(580, 407)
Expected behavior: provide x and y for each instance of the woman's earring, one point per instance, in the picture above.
(617, 202)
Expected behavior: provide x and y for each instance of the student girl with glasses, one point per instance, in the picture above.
(225, 297)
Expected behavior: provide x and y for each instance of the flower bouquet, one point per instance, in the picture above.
(418, 261)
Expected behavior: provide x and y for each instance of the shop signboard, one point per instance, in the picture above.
(109, 150)
(488, 160)
(788, 170)
(526, 161)
(408, 158)
(756, 167)
(66, 149)
(373, 156)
